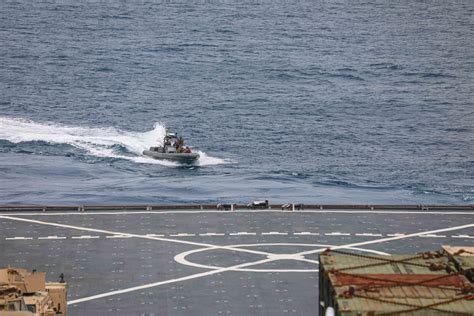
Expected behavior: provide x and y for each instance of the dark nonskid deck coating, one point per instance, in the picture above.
(178, 262)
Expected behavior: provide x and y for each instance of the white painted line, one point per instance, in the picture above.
(146, 286)
(52, 237)
(155, 235)
(181, 258)
(102, 231)
(274, 233)
(118, 236)
(182, 235)
(376, 241)
(242, 234)
(18, 238)
(218, 270)
(212, 234)
(395, 235)
(337, 234)
(306, 234)
(462, 236)
(85, 237)
(432, 236)
(369, 235)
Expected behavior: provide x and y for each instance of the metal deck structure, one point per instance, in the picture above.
(196, 259)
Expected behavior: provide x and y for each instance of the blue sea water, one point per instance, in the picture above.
(293, 101)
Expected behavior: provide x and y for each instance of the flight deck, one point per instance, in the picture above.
(199, 260)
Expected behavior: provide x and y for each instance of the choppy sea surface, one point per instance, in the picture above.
(293, 101)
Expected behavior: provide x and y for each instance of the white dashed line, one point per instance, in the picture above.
(118, 236)
(306, 234)
(18, 238)
(182, 235)
(337, 234)
(52, 237)
(369, 235)
(212, 234)
(432, 236)
(218, 270)
(242, 234)
(382, 240)
(85, 237)
(462, 236)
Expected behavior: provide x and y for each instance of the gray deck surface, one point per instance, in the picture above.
(172, 262)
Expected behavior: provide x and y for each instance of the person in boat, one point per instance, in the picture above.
(179, 144)
(187, 150)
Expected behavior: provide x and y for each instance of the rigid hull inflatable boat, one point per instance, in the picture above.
(173, 149)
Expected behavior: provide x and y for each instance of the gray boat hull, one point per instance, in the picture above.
(178, 157)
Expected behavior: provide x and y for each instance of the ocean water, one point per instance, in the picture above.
(292, 101)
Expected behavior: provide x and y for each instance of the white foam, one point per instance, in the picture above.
(94, 141)
(205, 160)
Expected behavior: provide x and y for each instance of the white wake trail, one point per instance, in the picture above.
(95, 141)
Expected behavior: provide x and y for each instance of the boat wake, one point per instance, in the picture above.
(105, 142)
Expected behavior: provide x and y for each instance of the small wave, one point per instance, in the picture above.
(106, 142)
(437, 75)
(362, 185)
(389, 66)
(24, 56)
(338, 183)
(345, 69)
(60, 56)
(346, 76)
(198, 45)
(164, 48)
(427, 75)
(122, 17)
(458, 129)
(467, 198)
(285, 76)
(226, 31)
(104, 69)
(256, 100)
